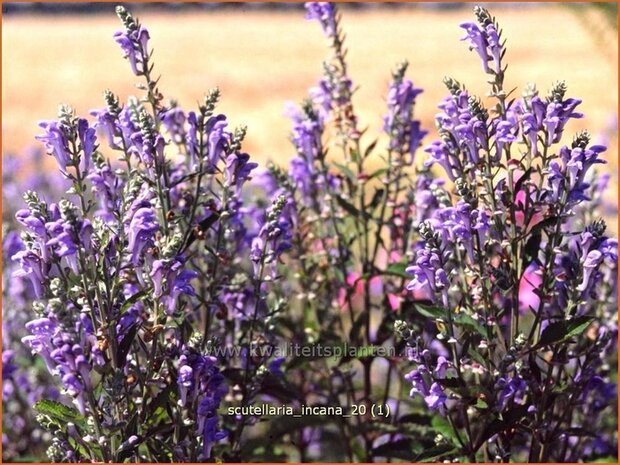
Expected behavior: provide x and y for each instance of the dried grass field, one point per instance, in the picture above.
(261, 60)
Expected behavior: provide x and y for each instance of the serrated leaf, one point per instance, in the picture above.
(466, 320)
(481, 404)
(524, 177)
(531, 250)
(473, 353)
(431, 311)
(562, 330)
(58, 412)
(543, 224)
(279, 426)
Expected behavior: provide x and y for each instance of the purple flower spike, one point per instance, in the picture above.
(325, 14)
(56, 142)
(478, 42)
(142, 229)
(88, 143)
(436, 398)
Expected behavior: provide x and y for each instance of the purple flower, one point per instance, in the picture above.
(436, 398)
(325, 14)
(485, 41)
(218, 138)
(108, 125)
(191, 139)
(174, 122)
(134, 44)
(495, 47)
(477, 41)
(63, 356)
(8, 367)
(33, 268)
(275, 366)
(141, 232)
(56, 142)
(419, 378)
(88, 143)
(405, 133)
(107, 187)
(444, 368)
(300, 174)
(170, 280)
(556, 117)
(238, 169)
(513, 389)
(201, 383)
(307, 132)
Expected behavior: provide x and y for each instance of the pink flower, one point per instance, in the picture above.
(524, 201)
(530, 283)
(357, 283)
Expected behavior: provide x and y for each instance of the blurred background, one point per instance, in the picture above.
(262, 55)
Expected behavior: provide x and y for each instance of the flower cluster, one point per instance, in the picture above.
(521, 298)
(134, 253)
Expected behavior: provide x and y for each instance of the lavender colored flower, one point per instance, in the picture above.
(133, 41)
(325, 14)
(56, 142)
(174, 122)
(202, 385)
(142, 228)
(238, 169)
(170, 281)
(404, 131)
(88, 143)
(478, 42)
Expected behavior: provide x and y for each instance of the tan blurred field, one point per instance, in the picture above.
(260, 60)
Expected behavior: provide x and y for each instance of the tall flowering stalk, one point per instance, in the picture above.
(522, 291)
(131, 258)
(352, 233)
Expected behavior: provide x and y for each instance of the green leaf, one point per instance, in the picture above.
(351, 209)
(466, 320)
(280, 426)
(435, 453)
(399, 449)
(443, 427)
(377, 173)
(125, 344)
(59, 413)
(376, 199)
(510, 418)
(532, 248)
(481, 404)
(347, 171)
(550, 221)
(473, 353)
(563, 330)
(430, 311)
(397, 269)
(370, 148)
(133, 299)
